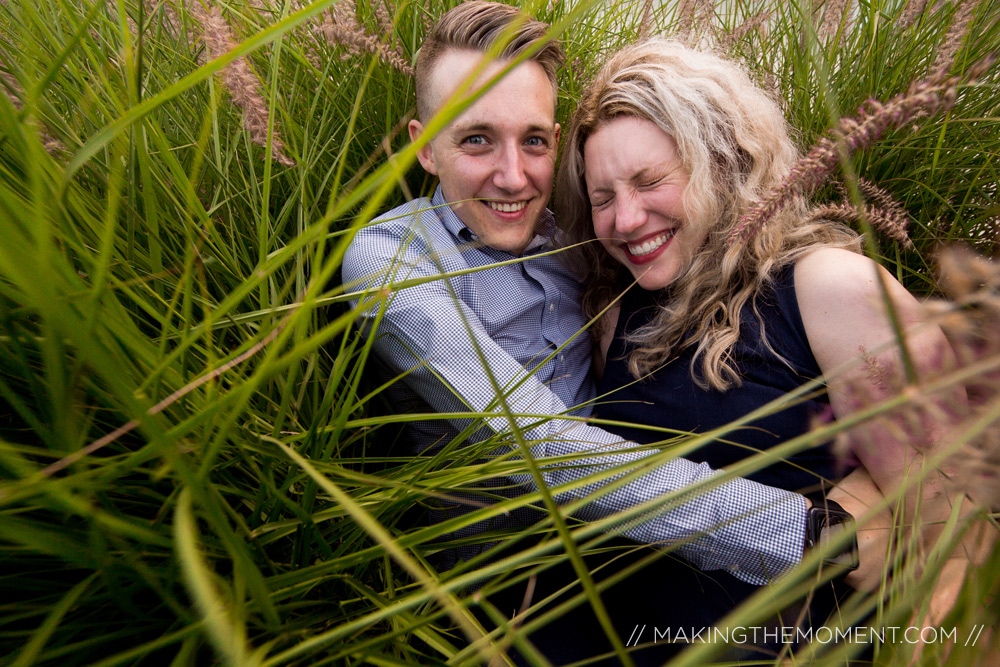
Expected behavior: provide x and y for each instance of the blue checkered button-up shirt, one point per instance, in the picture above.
(517, 316)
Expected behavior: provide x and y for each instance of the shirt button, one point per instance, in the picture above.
(562, 357)
(552, 307)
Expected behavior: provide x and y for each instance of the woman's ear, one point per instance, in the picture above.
(425, 154)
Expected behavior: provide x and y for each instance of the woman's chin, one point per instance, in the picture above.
(654, 282)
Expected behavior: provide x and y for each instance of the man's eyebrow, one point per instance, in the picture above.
(486, 127)
(475, 127)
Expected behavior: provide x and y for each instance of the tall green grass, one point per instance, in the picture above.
(195, 464)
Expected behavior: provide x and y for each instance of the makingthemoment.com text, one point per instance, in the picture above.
(795, 635)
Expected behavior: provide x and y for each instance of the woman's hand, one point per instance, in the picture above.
(857, 494)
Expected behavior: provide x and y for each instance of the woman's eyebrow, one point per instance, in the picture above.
(653, 172)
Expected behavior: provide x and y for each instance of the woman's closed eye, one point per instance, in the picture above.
(599, 201)
(651, 178)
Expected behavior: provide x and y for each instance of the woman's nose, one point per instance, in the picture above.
(630, 215)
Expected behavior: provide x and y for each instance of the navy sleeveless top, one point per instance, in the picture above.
(670, 398)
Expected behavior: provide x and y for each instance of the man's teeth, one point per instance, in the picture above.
(507, 207)
(646, 247)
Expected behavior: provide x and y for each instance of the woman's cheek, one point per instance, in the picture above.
(604, 231)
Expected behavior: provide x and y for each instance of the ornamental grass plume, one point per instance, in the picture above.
(757, 23)
(834, 12)
(691, 13)
(916, 416)
(970, 318)
(888, 222)
(884, 212)
(646, 24)
(912, 10)
(340, 27)
(961, 19)
(239, 80)
(383, 12)
(924, 98)
(879, 208)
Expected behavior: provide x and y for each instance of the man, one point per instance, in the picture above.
(495, 162)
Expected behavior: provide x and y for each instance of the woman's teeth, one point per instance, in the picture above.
(646, 247)
(507, 207)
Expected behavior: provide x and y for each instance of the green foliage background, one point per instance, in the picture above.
(194, 465)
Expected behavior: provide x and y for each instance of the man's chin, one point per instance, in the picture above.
(512, 243)
(512, 238)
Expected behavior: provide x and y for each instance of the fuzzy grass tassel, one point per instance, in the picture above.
(239, 80)
(961, 20)
(834, 13)
(879, 208)
(924, 98)
(340, 27)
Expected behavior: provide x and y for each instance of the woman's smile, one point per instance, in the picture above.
(648, 248)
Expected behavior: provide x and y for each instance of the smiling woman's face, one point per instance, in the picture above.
(635, 183)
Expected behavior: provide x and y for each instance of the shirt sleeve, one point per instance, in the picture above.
(755, 532)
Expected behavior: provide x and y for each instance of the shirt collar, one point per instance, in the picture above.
(544, 234)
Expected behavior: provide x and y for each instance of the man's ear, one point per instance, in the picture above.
(558, 131)
(425, 155)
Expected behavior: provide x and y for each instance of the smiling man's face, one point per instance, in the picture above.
(496, 160)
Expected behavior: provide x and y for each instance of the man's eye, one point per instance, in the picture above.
(476, 140)
(536, 141)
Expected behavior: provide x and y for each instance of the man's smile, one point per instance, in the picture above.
(507, 207)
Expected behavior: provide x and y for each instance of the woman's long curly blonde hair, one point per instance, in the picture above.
(734, 142)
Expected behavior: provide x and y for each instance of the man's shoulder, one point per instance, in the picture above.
(413, 229)
(418, 220)
(404, 213)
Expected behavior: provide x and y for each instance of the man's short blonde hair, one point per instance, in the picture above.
(479, 26)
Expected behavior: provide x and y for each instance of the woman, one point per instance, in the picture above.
(666, 152)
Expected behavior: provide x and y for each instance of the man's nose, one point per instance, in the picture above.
(510, 172)
(630, 214)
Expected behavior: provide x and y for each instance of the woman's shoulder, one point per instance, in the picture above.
(838, 276)
(832, 280)
(835, 269)
(842, 299)
(829, 277)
